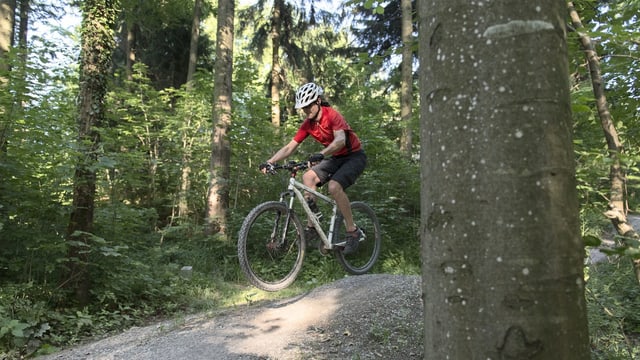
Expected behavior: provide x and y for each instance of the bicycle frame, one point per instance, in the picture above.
(295, 190)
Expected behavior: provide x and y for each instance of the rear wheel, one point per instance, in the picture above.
(365, 257)
(271, 246)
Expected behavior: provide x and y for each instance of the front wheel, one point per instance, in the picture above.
(271, 246)
(365, 257)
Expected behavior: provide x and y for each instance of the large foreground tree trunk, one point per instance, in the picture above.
(97, 44)
(502, 253)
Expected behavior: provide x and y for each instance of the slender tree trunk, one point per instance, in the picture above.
(617, 211)
(130, 49)
(23, 31)
(276, 25)
(502, 254)
(185, 184)
(218, 195)
(406, 87)
(154, 160)
(193, 48)
(7, 25)
(97, 43)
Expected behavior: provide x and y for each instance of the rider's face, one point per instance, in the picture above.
(312, 110)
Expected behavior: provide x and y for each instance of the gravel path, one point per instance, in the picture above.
(358, 317)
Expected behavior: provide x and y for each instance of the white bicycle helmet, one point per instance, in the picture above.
(307, 94)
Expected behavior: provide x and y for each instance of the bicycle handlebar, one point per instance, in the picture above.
(292, 166)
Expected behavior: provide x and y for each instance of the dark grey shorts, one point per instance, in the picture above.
(343, 169)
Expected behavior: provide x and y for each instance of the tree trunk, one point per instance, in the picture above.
(276, 24)
(97, 43)
(617, 211)
(185, 183)
(7, 25)
(130, 49)
(193, 48)
(501, 247)
(218, 195)
(23, 29)
(406, 87)
(20, 86)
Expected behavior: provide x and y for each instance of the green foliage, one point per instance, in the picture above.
(613, 305)
(35, 166)
(23, 321)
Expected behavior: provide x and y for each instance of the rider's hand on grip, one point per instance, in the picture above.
(267, 168)
(315, 158)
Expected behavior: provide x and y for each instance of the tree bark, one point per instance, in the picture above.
(7, 25)
(130, 46)
(193, 48)
(218, 195)
(406, 87)
(97, 44)
(501, 248)
(20, 86)
(276, 25)
(617, 211)
(185, 183)
(23, 29)
(185, 169)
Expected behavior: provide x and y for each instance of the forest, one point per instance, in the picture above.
(131, 134)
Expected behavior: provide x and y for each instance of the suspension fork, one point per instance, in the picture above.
(282, 242)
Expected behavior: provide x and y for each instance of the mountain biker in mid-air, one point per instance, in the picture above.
(339, 164)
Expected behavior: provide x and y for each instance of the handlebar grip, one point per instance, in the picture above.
(292, 166)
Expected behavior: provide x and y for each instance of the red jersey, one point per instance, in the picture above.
(322, 130)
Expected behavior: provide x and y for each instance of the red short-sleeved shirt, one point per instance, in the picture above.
(322, 130)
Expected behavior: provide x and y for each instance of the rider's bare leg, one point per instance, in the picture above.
(344, 205)
(310, 179)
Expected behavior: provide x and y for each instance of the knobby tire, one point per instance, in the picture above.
(363, 260)
(267, 266)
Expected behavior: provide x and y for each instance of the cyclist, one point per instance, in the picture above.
(338, 165)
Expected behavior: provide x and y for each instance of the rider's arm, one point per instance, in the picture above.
(339, 141)
(284, 152)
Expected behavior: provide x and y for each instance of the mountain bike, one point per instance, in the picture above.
(272, 243)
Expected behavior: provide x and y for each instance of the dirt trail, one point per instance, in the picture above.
(364, 317)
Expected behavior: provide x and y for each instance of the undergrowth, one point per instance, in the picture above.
(188, 273)
(613, 306)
